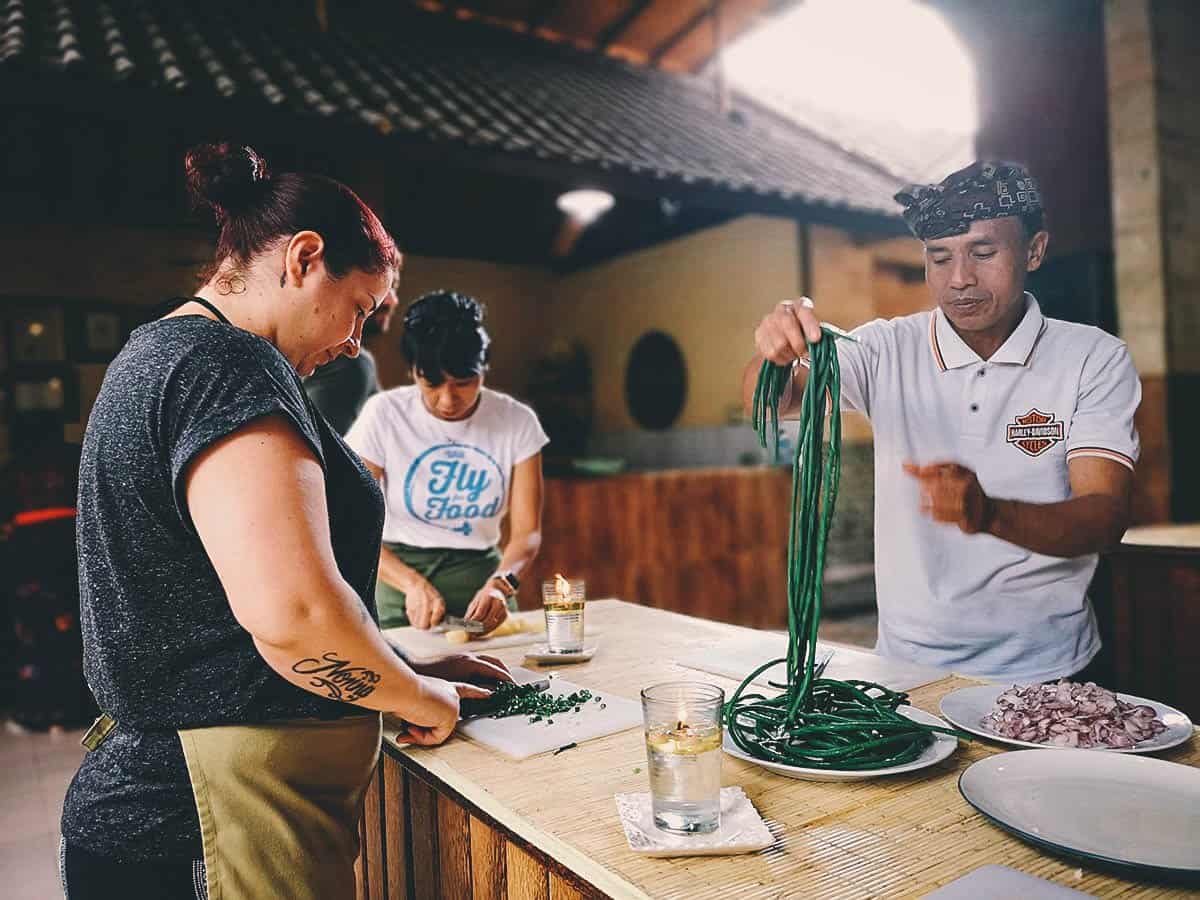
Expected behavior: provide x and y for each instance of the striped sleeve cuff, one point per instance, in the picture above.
(1103, 453)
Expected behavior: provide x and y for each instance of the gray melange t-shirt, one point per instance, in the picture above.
(162, 649)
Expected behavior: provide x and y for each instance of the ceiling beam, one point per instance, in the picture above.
(719, 81)
(609, 35)
(687, 28)
(541, 11)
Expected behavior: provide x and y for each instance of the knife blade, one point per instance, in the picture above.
(470, 708)
(455, 623)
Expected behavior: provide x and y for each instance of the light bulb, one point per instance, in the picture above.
(585, 206)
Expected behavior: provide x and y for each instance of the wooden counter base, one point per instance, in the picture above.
(421, 839)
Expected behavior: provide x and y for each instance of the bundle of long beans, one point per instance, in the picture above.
(816, 723)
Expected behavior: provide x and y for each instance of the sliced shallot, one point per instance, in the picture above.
(1069, 714)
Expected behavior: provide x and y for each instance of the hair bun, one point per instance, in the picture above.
(225, 177)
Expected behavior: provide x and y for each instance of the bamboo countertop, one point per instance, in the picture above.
(901, 836)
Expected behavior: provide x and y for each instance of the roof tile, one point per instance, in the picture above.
(448, 81)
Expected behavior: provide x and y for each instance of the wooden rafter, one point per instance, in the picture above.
(634, 33)
(541, 12)
(613, 32)
(671, 42)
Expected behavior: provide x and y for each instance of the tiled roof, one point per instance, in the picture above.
(434, 79)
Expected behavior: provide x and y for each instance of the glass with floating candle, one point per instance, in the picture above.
(683, 753)
(563, 600)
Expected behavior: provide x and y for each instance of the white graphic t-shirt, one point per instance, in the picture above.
(446, 483)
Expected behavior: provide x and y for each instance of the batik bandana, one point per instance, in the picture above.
(983, 190)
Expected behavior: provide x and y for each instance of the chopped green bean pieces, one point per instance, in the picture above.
(523, 699)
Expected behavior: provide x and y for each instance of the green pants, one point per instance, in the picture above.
(456, 574)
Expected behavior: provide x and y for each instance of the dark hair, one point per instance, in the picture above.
(444, 335)
(1032, 222)
(255, 209)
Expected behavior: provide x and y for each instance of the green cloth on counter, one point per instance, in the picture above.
(456, 574)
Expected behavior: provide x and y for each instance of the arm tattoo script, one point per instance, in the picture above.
(339, 679)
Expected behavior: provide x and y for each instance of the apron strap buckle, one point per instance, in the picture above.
(99, 732)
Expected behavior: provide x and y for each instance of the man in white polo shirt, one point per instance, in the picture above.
(1004, 441)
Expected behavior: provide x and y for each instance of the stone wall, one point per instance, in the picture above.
(1153, 50)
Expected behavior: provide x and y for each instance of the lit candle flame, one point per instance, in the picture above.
(562, 587)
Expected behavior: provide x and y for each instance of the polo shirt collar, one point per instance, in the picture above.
(951, 352)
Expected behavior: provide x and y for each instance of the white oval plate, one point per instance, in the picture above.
(943, 745)
(1123, 810)
(966, 708)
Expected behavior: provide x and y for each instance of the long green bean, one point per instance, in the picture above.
(816, 722)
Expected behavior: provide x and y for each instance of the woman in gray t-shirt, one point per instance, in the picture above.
(228, 547)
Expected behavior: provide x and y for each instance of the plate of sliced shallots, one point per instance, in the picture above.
(1066, 715)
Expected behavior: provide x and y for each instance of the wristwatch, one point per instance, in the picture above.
(509, 581)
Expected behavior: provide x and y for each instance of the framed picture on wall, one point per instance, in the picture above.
(43, 388)
(96, 332)
(35, 334)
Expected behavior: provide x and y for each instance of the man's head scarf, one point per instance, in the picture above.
(983, 190)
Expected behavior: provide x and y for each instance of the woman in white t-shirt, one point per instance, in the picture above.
(453, 457)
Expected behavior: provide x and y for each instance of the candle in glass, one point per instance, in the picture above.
(683, 753)
(563, 600)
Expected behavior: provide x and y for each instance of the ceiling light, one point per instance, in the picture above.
(585, 206)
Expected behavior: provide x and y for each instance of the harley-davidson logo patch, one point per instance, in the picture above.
(1035, 432)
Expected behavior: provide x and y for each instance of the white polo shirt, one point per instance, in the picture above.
(1054, 391)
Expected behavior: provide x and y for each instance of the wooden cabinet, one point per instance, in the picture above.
(1149, 604)
(706, 542)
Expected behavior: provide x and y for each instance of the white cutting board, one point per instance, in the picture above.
(995, 882)
(424, 645)
(519, 738)
(738, 658)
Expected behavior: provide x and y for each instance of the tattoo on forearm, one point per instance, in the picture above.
(337, 677)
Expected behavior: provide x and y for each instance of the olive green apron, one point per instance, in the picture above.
(279, 805)
(456, 574)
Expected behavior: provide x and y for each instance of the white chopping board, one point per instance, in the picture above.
(517, 737)
(738, 658)
(424, 645)
(994, 882)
